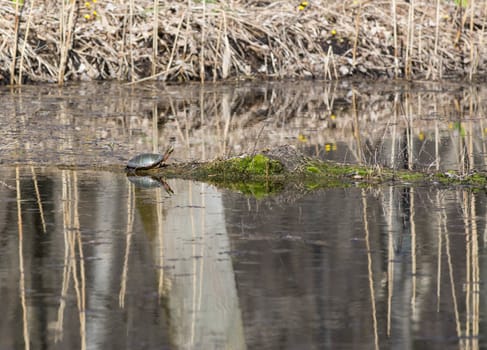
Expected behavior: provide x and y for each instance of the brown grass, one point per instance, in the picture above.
(242, 40)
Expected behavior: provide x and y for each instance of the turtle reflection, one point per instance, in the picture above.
(148, 182)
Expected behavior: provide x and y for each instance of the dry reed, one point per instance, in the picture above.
(18, 10)
(190, 40)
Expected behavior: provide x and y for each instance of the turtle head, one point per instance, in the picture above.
(167, 154)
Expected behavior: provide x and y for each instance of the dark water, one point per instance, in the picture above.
(90, 261)
(129, 268)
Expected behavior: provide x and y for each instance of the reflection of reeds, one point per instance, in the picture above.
(25, 320)
(197, 282)
(184, 137)
(414, 268)
(39, 201)
(160, 237)
(222, 122)
(452, 285)
(128, 241)
(475, 319)
(467, 328)
(472, 275)
(469, 332)
(65, 284)
(395, 112)
(370, 271)
(277, 110)
(202, 120)
(409, 151)
(155, 129)
(356, 130)
(73, 253)
(390, 256)
(226, 114)
(437, 158)
(441, 227)
(81, 290)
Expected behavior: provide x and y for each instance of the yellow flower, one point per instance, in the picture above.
(87, 17)
(333, 32)
(87, 4)
(302, 5)
(302, 138)
(421, 136)
(333, 117)
(330, 147)
(94, 1)
(95, 13)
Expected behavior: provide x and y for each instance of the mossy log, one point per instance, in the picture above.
(271, 170)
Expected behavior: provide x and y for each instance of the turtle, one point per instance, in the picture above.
(146, 161)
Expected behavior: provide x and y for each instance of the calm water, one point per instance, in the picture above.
(438, 127)
(88, 260)
(122, 267)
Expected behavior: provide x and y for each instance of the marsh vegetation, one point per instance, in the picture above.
(180, 41)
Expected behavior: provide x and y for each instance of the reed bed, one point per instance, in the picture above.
(59, 41)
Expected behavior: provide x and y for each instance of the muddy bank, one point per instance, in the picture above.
(190, 41)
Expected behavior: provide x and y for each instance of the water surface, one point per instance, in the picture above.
(122, 267)
(434, 127)
(88, 260)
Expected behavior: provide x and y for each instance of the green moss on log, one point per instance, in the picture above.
(257, 168)
(260, 175)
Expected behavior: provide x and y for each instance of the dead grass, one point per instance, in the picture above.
(240, 40)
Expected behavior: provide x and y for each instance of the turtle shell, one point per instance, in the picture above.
(145, 161)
